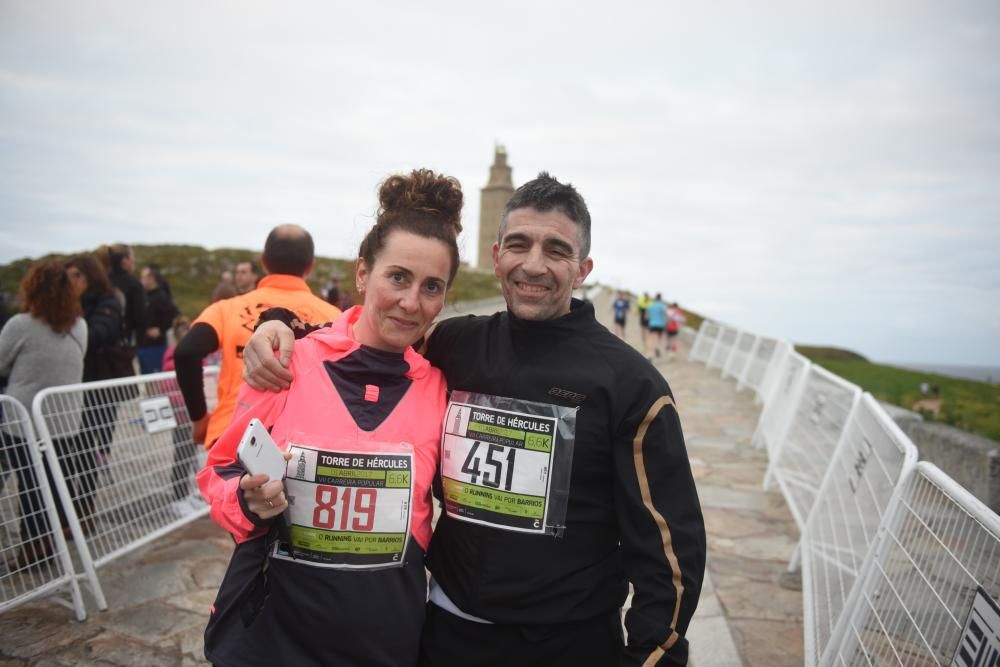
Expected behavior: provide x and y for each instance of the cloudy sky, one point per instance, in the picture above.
(828, 172)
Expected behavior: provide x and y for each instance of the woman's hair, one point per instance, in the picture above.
(112, 256)
(422, 203)
(47, 295)
(161, 282)
(97, 277)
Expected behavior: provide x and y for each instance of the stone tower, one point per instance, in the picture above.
(492, 199)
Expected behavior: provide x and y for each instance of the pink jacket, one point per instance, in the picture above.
(312, 405)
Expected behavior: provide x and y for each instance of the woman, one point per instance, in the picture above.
(160, 313)
(119, 263)
(103, 312)
(338, 578)
(39, 348)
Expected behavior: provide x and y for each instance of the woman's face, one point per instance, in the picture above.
(403, 292)
(77, 280)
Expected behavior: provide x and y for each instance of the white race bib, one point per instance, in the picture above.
(348, 509)
(497, 464)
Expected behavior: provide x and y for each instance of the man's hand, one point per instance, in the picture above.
(199, 429)
(262, 370)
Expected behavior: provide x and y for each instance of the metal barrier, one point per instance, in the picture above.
(771, 380)
(800, 459)
(739, 356)
(779, 409)
(126, 477)
(723, 346)
(927, 592)
(900, 565)
(704, 341)
(36, 559)
(762, 357)
(872, 458)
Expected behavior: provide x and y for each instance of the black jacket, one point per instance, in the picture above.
(633, 513)
(103, 314)
(135, 305)
(160, 312)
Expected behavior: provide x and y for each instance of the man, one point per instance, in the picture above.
(246, 275)
(226, 325)
(620, 310)
(510, 592)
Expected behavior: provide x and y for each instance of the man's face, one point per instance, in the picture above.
(538, 263)
(245, 279)
(147, 280)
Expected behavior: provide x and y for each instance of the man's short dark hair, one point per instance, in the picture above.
(544, 194)
(288, 250)
(254, 269)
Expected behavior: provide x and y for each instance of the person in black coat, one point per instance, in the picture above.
(102, 311)
(119, 260)
(160, 314)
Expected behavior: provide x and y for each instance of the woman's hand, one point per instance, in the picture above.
(262, 370)
(265, 498)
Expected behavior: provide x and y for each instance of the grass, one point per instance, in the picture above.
(193, 273)
(965, 404)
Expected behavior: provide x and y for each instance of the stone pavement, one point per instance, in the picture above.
(159, 596)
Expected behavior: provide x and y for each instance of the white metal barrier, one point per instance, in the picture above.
(872, 458)
(769, 383)
(761, 357)
(900, 565)
(739, 355)
(704, 341)
(36, 559)
(801, 458)
(927, 592)
(723, 346)
(126, 475)
(779, 409)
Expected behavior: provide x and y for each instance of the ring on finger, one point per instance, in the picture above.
(269, 502)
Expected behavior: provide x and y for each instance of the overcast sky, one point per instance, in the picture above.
(825, 172)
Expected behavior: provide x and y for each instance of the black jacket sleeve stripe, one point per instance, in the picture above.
(661, 522)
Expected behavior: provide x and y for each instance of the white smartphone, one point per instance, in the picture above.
(258, 452)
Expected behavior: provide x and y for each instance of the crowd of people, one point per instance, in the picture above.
(561, 471)
(659, 322)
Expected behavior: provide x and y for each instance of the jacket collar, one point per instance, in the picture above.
(283, 281)
(580, 313)
(339, 339)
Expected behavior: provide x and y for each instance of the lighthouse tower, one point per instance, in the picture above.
(492, 199)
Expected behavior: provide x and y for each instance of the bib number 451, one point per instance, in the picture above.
(490, 463)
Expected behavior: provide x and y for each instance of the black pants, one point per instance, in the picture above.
(450, 640)
(34, 521)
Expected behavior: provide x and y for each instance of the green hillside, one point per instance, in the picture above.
(193, 272)
(965, 404)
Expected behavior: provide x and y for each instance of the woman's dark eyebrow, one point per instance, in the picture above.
(400, 269)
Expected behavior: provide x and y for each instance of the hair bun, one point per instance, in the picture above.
(424, 193)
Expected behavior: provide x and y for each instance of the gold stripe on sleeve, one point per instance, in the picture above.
(661, 523)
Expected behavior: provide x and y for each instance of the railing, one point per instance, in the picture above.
(900, 565)
(36, 559)
(122, 463)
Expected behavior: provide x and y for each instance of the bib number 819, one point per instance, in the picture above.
(362, 509)
(503, 466)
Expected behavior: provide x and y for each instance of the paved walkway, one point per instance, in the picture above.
(159, 596)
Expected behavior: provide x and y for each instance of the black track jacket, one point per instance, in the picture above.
(633, 513)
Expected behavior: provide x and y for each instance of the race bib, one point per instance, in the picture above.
(504, 460)
(348, 509)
